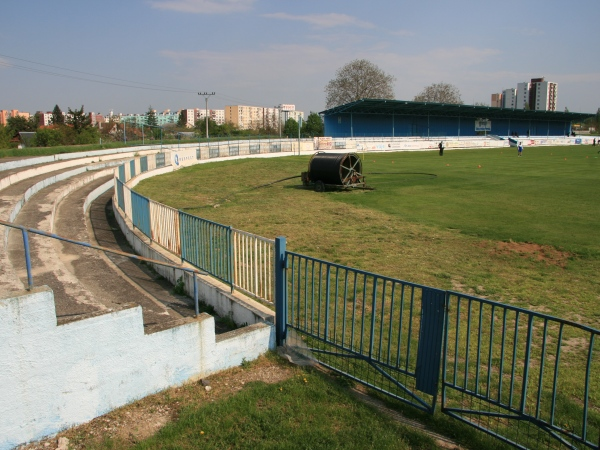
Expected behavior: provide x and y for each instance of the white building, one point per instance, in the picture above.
(545, 95)
(509, 98)
(523, 96)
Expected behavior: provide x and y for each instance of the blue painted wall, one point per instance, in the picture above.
(376, 125)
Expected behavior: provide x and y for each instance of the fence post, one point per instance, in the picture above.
(280, 291)
(27, 258)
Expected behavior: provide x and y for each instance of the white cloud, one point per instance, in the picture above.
(204, 6)
(324, 20)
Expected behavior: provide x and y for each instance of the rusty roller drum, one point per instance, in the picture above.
(334, 169)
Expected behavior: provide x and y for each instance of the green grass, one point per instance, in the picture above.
(548, 196)
(484, 222)
(445, 231)
(307, 411)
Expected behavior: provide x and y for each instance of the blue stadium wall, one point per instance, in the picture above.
(380, 125)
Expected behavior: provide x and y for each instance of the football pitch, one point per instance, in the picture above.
(520, 230)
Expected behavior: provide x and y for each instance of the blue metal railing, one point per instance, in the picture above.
(207, 245)
(526, 378)
(507, 370)
(380, 331)
(140, 210)
(25, 232)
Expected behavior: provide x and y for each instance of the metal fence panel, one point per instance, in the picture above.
(207, 245)
(132, 172)
(144, 164)
(140, 210)
(164, 224)
(253, 260)
(127, 201)
(120, 196)
(360, 324)
(159, 160)
(526, 378)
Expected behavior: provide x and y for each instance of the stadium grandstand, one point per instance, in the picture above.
(399, 118)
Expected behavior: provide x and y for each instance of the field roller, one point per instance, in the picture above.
(334, 170)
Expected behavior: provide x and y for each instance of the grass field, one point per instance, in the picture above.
(517, 230)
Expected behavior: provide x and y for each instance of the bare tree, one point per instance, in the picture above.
(440, 93)
(358, 79)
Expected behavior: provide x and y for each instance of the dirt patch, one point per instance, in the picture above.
(140, 420)
(541, 253)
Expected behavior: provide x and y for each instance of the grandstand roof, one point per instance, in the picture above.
(403, 107)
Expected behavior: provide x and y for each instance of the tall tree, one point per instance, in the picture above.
(358, 79)
(79, 120)
(290, 129)
(19, 123)
(440, 93)
(5, 137)
(313, 125)
(181, 120)
(58, 118)
(151, 117)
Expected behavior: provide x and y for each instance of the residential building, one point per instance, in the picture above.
(190, 116)
(5, 115)
(509, 98)
(523, 98)
(45, 118)
(247, 117)
(96, 119)
(496, 101)
(537, 94)
(543, 95)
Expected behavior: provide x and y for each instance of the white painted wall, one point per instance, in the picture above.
(53, 377)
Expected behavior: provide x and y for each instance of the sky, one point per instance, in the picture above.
(129, 55)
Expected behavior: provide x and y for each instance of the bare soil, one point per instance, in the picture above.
(139, 420)
(542, 253)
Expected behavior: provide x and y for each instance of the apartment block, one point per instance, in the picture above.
(509, 98)
(537, 94)
(523, 95)
(247, 117)
(496, 101)
(544, 94)
(5, 115)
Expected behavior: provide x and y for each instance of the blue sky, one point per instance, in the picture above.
(267, 52)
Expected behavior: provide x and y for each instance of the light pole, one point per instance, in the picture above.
(299, 127)
(279, 118)
(206, 95)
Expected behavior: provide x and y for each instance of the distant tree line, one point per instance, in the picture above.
(75, 128)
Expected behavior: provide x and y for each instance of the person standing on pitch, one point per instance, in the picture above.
(441, 147)
(520, 148)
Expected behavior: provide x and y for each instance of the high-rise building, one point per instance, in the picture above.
(537, 94)
(523, 98)
(543, 95)
(509, 98)
(496, 101)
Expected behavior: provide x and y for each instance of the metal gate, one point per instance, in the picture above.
(526, 378)
(382, 332)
